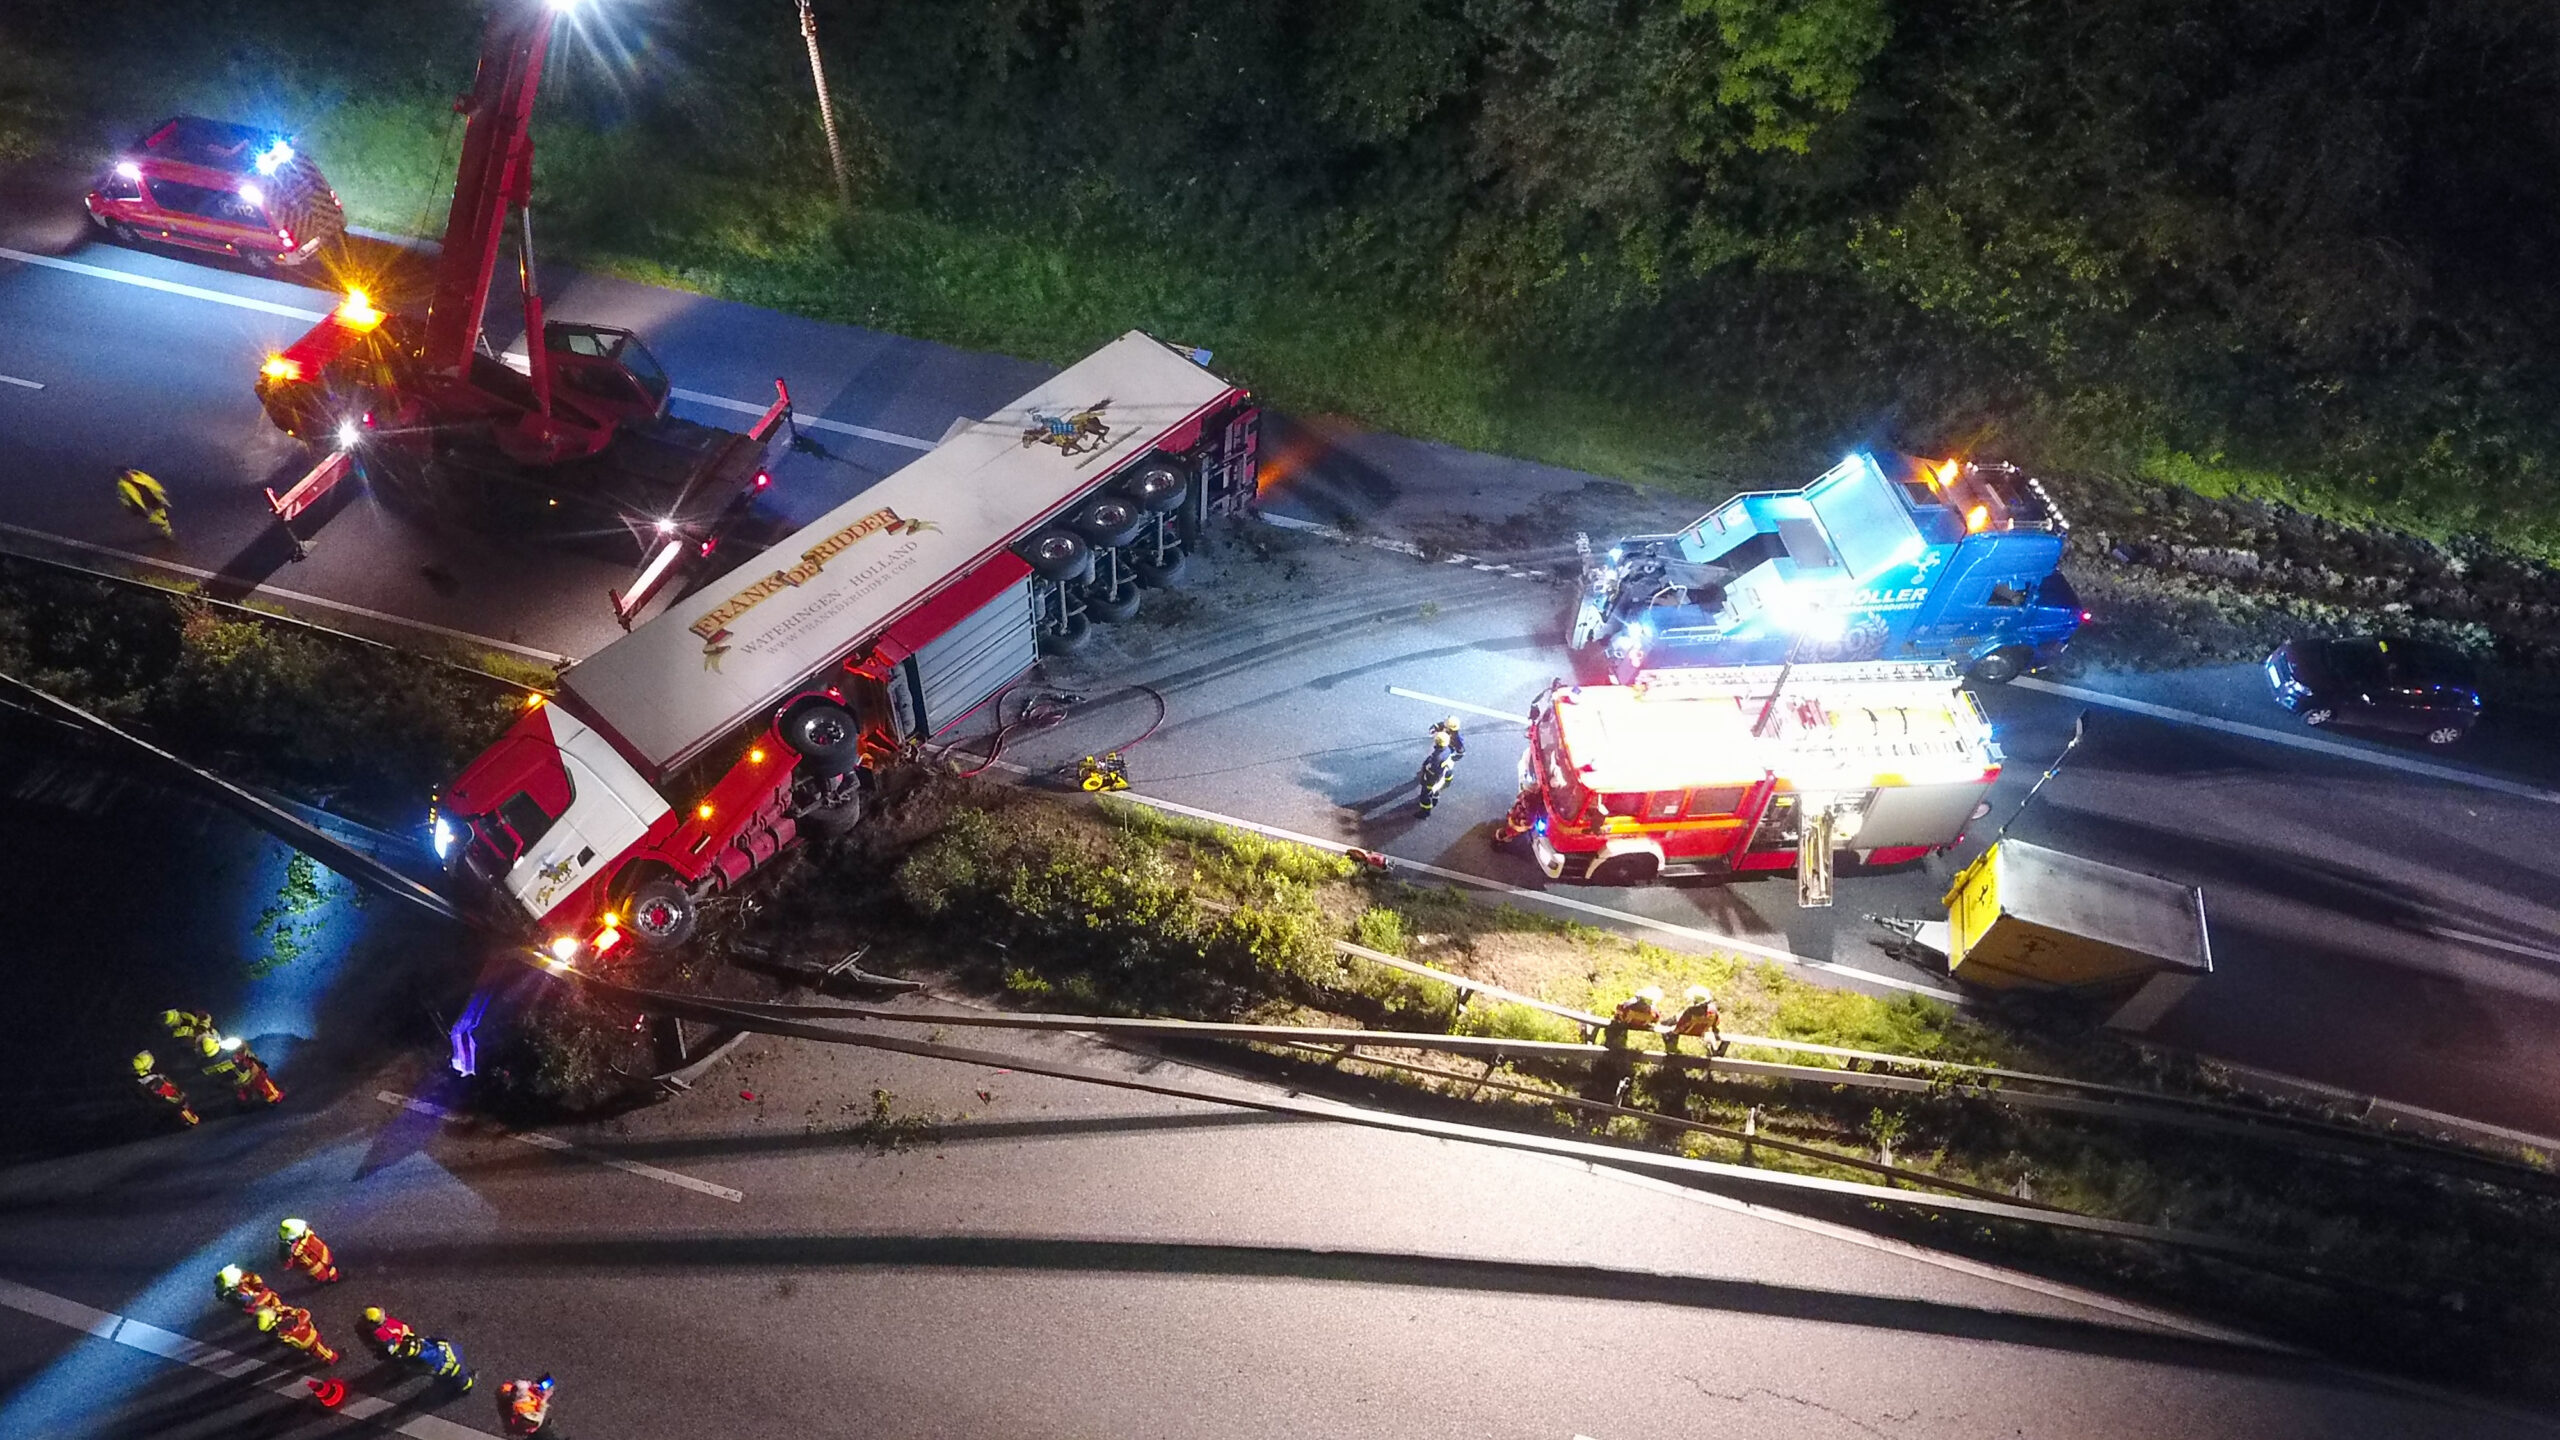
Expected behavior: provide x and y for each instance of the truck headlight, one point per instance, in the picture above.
(443, 837)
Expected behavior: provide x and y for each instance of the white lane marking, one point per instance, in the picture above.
(298, 597)
(559, 1146)
(2491, 942)
(1690, 933)
(170, 287)
(1510, 717)
(885, 437)
(296, 312)
(2312, 743)
(168, 1345)
(21, 384)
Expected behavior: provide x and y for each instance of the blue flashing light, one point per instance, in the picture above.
(275, 157)
(465, 1032)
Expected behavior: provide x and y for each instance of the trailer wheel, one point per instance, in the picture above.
(662, 914)
(2000, 666)
(1068, 638)
(1156, 486)
(1113, 608)
(1158, 575)
(1057, 555)
(825, 735)
(1109, 521)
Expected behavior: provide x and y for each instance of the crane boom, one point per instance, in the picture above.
(494, 180)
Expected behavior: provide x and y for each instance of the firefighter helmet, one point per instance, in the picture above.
(1701, 995)
(143, 1060)
(269, 1318)
(292, 1230)
(373, 1314)
(1449, 723)
(171, 1018)
(229, 1276)
(208, 1046)
(1651, 994)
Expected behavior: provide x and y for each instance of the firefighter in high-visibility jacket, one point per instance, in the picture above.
(245, 1289)
(305, 1250)
(443, 1359)
(292, 1325)
(389, 1333)
(526, 1404)
(146, 1073)
(233, 1063)
(1617, 1069)
(146, 500)
(1697, 1020)
(185, 1026)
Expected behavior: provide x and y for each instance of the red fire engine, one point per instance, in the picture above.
(1701, 772)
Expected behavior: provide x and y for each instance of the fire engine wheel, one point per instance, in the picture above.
(1113, 608)
(1999, 667)
(1109, 521)
(1157, 487)
(1057, 555)
(825, 735)
(125, 234)
(1068, 638)
(2446, 734)
(662, 915)
(1626, 870)
(258, 261)
(1158, 575)
(2318, 715)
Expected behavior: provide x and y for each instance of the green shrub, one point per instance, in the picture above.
(1380, 929)
(1511, 1020)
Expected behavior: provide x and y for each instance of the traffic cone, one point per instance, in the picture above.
(328, 1392)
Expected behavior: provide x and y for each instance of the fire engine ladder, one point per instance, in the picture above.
(1815, 835)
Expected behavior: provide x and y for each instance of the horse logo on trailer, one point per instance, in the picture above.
(1072, 434)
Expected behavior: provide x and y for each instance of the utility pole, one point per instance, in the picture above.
(826, 105)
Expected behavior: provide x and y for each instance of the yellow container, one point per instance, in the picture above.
(2025, 917)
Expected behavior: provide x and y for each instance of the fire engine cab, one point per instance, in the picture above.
(1736, 768)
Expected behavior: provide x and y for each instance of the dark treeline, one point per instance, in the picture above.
(2303, 232)
(2305, 236)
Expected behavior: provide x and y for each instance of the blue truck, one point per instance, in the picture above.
(1884, 557)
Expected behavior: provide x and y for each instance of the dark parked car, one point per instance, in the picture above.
(2379, 682)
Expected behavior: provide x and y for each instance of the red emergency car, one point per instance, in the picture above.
(212, 185)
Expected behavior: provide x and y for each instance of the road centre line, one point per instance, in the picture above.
(1506, 716)
(814, 422)
(169, 1345)
(21, 384)
(2312, 743)
(298, 597)
(559, 1146)
(170, 287)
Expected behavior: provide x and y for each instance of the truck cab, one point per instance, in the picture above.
(1887, 557)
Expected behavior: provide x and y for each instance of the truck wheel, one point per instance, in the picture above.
(825, 735)
(2000, 666)
(1109, 521)
(1156, 486)
(1113, 609)
(662, 914)
(1158, 576)
(1057, 555)
(1069, 638)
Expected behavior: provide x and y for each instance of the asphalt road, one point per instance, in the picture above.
(2375, 930)
(1023, 1257)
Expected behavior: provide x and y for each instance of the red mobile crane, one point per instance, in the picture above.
(582, 435)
